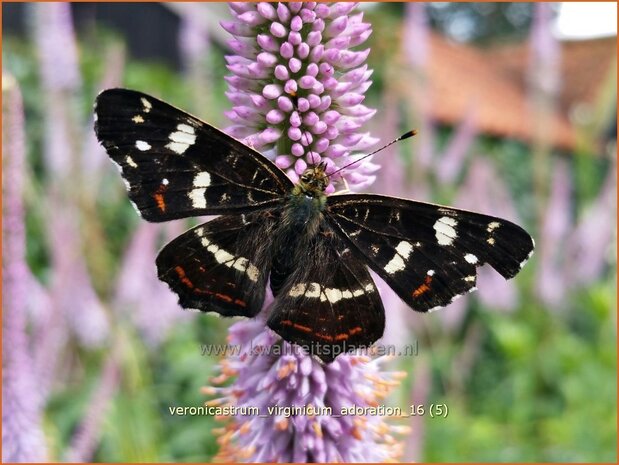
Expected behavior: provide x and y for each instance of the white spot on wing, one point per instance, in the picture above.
(404, 248)
(492, 226)
(131, 162)
(137, 119)
(202, 179)
(523, 262)
(470, 258)
(223, 257)
(445, 230)
(147, 105)
(198, 200)
(333, 295)
(313, 291)
(143, 146)
(397, 263)
(182, 138)
(297, 290)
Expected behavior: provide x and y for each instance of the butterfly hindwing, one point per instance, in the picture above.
(177, 166)
(330, 303)
(427, 253)
(221, 266)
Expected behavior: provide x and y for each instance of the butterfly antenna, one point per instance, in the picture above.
(406, 135)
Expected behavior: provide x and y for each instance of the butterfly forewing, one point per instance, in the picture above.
(178, 166)
(330, 304)
(220, 266)
(427, 253)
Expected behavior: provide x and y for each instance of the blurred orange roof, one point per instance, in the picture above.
(493, 84)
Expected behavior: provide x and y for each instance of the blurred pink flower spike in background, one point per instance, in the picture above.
(22, 404)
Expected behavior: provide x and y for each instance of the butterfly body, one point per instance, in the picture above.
(313, 249)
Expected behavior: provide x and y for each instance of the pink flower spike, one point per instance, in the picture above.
(310, 93)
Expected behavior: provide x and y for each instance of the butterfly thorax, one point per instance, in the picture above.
(300, 223)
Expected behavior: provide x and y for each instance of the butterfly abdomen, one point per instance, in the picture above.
(300, 222)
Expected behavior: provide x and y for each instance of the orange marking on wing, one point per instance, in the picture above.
(355, 330)
(340, 337)
(302, 328)
(183, 277)
(287, 322)
(158, 196)
(324, 336)
(425, 287)
(224, 297)
(240, 303)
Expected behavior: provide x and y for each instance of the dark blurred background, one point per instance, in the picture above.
(517, 118)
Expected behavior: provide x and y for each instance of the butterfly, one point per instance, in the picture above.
(313, 250)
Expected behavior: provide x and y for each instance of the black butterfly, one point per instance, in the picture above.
(315, 249)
